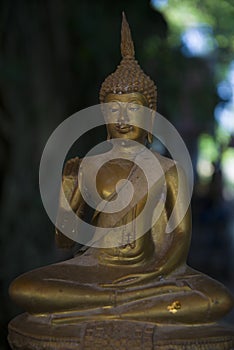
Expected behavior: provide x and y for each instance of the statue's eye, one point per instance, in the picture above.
(133, 107)
(114, 108)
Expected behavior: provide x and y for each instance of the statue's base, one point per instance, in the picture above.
(32, 333)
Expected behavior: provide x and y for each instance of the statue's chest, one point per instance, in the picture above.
(110, 177)
(116, 178)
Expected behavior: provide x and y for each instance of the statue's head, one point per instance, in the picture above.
(128, 87)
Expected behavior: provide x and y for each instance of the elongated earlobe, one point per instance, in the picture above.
(150, 137)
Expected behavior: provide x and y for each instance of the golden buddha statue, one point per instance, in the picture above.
(145, 278)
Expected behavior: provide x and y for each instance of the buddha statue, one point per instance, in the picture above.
(144, 278)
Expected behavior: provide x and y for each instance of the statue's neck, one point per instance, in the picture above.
(127, 148)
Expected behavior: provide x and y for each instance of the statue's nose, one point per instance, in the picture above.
(123, 117)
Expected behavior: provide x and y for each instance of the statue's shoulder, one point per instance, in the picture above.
(166, 163)
(173, 171)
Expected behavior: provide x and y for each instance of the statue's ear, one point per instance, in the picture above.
(150, 135)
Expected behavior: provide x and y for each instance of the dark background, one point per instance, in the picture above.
(54, 56)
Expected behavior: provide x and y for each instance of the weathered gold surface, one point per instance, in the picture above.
(143, 279)
(26, 333)
(142, 283)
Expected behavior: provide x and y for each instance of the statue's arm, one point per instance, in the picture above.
(74, 198)
(178, 240)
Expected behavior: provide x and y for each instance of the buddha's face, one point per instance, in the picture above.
(122, 112)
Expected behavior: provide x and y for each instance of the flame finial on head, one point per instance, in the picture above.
(127, 46)
(129, 77)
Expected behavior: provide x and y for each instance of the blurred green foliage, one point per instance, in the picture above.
(217, 14)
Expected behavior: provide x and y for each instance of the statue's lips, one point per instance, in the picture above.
(123, 129)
